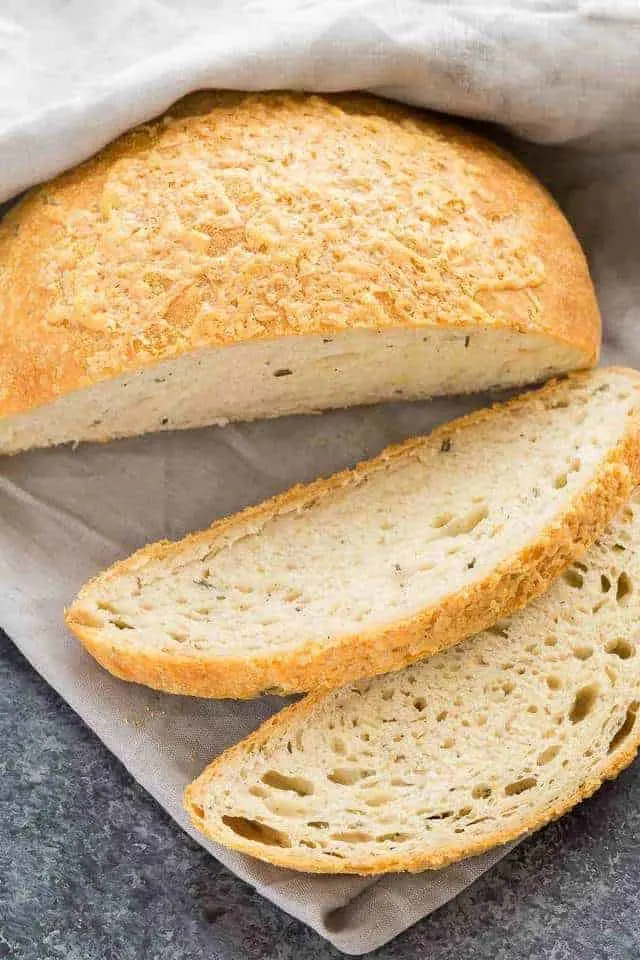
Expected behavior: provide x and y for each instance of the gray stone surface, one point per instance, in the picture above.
(92, 869)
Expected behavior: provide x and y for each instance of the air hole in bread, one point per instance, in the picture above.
(441, 520)
(612, 676)
(574, 578)
(620, 648)
(520, 786)
(392, 837)
(352, 836)
(582, 653)
(583, 703)
(378, 799)
(280, 781)
(554, 683)
(605, 583)
(467, 522)
(560, 481)
(347, 776)
(291, 595)
(256, 831)
(624, 588)
(481, 791)
(419, 704)
(549, 754)
(626, 727)
(122, 624)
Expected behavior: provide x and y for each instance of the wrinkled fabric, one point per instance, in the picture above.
(565, 78)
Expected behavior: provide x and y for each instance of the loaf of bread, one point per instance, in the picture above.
(255, 255)
(375, 567)
(449, 757)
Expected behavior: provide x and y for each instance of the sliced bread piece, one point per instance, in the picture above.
(472, 748)
(375, 567)
(251, 255)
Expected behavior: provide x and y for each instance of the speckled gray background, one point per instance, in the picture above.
(91, 868)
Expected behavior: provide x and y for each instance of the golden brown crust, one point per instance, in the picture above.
(240, 217)
(510, 586)
(282, 857)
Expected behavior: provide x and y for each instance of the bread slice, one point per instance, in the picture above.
(472, 748)
(252, 255)
(362, 573)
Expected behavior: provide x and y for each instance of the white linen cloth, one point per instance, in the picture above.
(74, 75)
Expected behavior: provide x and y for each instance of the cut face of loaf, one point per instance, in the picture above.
(251, 255)
(302, 374)
(373, 568)
(454, 755)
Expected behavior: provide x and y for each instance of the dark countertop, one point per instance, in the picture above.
(91, 868)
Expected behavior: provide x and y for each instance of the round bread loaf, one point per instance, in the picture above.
(254, 255)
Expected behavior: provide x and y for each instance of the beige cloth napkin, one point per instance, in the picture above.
(79, 75)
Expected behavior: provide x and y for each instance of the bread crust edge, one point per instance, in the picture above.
(569, 311)
(508, 588)
(391, 864)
